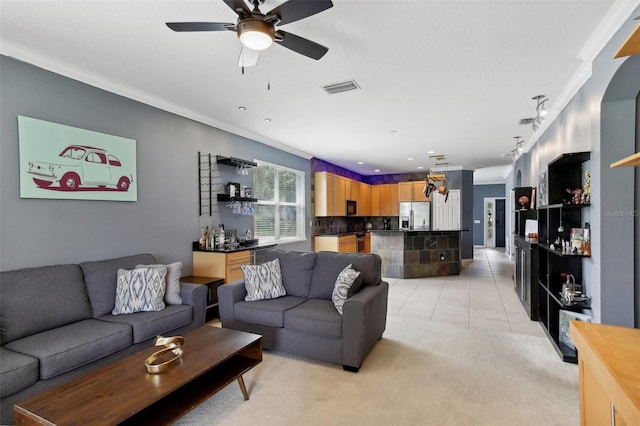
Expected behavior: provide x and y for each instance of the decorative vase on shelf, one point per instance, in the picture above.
(523, 201)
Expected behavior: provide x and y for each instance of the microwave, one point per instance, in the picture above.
(351, 208)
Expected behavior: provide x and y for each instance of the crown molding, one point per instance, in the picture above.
(21, 53)
(616, 17)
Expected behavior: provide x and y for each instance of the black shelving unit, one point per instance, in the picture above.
(554, 223)
(526, 253)
(227, 197)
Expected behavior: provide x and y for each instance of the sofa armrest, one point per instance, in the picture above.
(363, 322)
(228, 295)
(195, 295)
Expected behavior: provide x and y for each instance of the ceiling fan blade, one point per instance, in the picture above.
(201, 26)
(301, 45)
(238, 6)
(248, 57)
(294, 10)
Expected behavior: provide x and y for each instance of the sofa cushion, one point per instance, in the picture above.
(266, 312)
(263, 281)
(140, 290)
(172, 290)
(345, 281)
(101, 276)
(147, 325)
(316, 317)
(17, 371)
(328, 267)
(297, 269)
(70, 346)
(38, 299)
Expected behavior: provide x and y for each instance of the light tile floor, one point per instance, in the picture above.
(482, 296)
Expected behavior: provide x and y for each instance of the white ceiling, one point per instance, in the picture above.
(454, 77)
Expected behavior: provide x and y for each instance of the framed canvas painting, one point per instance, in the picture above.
(64, 162)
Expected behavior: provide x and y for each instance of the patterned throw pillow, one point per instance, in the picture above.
(263, 281)
(172, 289)
(140, 290)
(345, 280)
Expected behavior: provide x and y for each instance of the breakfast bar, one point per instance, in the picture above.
(417, 254)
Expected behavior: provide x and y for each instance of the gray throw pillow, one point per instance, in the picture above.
(140, 290)
(345, 280)
(172, 290)
(263, 281)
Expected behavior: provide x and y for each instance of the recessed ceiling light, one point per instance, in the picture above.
(377, 170)
(420, 167)
(360, 162)
(241, 108)
(409, 158)
(267, 119)
(430, 152)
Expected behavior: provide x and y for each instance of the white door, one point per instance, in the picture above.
(446, 214)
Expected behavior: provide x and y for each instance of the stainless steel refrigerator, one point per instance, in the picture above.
(415, 215)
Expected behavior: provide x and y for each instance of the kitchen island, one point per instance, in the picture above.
(417, 254)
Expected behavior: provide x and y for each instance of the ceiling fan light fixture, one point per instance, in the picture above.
(256, 34)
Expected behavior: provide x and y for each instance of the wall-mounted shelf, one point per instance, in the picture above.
(630, 161)
(226, 197)
(234, 162)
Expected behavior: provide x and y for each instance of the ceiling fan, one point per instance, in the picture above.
(257, 31)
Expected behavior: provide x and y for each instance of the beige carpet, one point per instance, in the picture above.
(420, 373)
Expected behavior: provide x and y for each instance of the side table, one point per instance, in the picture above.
(212, 284)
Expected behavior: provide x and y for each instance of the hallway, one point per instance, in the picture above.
(482, 296)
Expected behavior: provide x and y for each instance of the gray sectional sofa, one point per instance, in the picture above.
(56, 324)
(305, 321)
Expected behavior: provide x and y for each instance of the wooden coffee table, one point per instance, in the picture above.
(124, 392)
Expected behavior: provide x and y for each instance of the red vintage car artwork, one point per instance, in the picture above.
(80, 167)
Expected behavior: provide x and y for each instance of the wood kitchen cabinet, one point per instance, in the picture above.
(217, 264)
(412, 191)
(330, 194)
(384, 200)
(609, 368)
(337, 243)
(364, 203)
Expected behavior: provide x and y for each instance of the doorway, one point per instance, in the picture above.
(494, 222)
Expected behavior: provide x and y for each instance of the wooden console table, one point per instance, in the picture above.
(609, 364)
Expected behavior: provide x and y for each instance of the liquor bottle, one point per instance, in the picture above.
(207, 237)
(202, 243)
(221, 236)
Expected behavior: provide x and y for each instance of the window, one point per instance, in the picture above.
(279, 213)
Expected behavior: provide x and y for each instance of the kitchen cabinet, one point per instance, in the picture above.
(384, 200)
(412, 191)
(609, 369)
(446, 211)
(340, 196)
(337, 243)
(224, 265)
(331, 193)
(555, 222)
(364, 203)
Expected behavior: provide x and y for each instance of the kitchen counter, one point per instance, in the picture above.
(416, 253)
(250, 247)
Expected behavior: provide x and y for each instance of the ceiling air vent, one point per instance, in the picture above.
(344, 86)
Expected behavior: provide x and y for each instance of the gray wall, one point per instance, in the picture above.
(480, 192)
(164, 221)
(591, 122)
